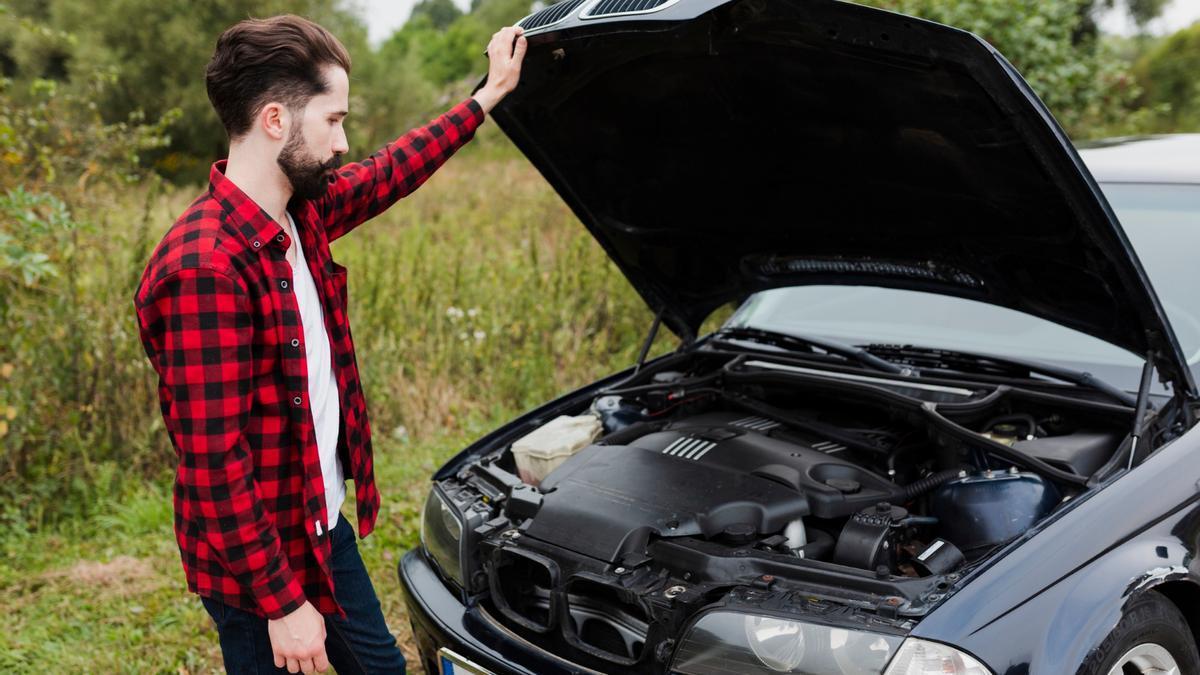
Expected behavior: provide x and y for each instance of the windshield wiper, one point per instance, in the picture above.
(1004, 366)
(806, 343)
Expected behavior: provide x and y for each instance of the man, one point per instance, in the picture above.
(242, 312)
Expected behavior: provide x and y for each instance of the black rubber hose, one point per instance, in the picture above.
(919, 487)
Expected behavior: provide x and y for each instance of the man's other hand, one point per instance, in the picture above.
(298, 640)
(505, 53)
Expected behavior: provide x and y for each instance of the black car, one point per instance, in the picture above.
(949, 427)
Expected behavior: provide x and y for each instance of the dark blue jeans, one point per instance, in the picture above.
(360, 643)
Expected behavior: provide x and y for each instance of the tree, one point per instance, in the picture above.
(1168, 73)
(441, 13)
(1087, 88)
(157, 50)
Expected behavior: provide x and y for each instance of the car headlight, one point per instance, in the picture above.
(722, 642)
(920, 656)
(441, 534)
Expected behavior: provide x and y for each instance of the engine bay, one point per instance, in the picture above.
(720, 478)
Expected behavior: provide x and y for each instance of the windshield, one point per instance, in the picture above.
(1162, 222)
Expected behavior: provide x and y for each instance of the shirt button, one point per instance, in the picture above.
(257, 244)
(279, 238)
(283, 283)
(295, 342)
(297, 400)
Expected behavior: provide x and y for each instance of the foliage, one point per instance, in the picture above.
(1077, 75)
(440, 13)
(1169, 74)
(53, 136)
(152, 54)
(456, 51)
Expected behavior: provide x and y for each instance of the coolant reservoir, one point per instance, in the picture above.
(542, 450)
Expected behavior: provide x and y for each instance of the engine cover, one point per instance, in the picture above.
(696, 477)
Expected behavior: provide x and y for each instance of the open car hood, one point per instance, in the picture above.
(716, 149)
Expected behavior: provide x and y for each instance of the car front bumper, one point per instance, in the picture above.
(440, 620)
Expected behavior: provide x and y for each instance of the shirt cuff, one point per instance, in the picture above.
(471, 111)
(280, 595)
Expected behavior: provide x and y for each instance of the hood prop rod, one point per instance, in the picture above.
(641, 359)
(1141, 407)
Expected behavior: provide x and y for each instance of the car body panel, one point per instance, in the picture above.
(902, 153)
(1167, 159)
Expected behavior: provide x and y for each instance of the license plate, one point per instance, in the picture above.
(453, 664)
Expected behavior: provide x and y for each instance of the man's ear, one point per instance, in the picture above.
(275, 120)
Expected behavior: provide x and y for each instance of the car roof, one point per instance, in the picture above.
(1144, 159)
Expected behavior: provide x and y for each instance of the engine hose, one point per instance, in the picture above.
(923, 485)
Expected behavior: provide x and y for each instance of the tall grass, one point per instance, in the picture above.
(473, 299)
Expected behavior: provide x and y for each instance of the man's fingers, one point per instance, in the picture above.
(519, 52)
(321, 662)
(307, 666)
(293, 665)
(279, 660)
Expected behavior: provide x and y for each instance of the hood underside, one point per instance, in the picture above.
(766, 144)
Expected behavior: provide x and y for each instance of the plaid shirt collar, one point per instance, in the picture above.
(256, 226)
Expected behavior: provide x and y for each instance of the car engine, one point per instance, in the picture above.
(725, 478)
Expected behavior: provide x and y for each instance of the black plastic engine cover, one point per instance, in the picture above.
(697, 477)
(605, 501)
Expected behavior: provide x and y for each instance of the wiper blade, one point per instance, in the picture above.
(792, 342)
(950, 359)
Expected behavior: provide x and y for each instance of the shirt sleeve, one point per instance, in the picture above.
(205, 329)
(364, 189)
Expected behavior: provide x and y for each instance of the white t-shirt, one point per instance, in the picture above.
(322, 385)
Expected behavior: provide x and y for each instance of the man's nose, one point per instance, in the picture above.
(340, 145)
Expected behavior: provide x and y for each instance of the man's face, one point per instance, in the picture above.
(317, 140)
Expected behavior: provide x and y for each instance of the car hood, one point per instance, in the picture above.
(751, 144)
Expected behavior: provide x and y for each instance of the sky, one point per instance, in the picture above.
(385, 16)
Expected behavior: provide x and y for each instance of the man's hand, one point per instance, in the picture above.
(298, 640)
(505, 52)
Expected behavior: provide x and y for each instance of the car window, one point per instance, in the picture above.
(1162, 222)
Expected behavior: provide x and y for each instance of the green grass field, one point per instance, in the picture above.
(476, 298)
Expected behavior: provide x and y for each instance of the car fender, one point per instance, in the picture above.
(1052, 597)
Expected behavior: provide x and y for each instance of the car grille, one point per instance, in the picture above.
(550, 15)
(618, 7)
(578, 618)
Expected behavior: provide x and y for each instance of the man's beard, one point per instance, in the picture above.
(309, 177)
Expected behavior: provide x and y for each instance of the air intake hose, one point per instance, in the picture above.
(919, 487)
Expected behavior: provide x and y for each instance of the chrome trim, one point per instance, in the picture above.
(462, 661)
(564, 17)
(584, 15)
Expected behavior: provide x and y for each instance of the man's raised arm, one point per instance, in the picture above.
(364, 189)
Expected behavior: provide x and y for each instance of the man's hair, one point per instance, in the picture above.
(262, 60)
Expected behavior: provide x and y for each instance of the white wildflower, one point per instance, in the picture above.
(479, 335)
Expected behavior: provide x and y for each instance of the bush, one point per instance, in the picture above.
(1078, 76)
(1169, 74)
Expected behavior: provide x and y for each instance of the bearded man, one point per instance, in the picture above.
(242, 312)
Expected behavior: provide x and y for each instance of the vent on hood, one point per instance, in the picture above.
(550, 15)
(606, 8)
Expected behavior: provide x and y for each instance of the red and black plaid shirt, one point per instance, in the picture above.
(219, 321)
